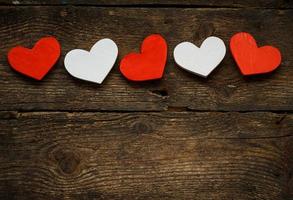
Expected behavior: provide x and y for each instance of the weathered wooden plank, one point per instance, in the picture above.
(80, 27)
(164, 155)
(210, 3)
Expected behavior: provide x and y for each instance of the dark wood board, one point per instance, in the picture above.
(183, 137)
(177, 155)
(80, 27)
(279, 4)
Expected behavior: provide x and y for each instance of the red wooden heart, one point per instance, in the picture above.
(149, 64)
(251, 59)
(35, 62)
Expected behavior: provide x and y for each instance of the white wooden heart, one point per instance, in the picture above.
(94, 65)
(201, 61)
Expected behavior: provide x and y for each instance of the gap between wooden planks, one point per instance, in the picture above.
(275, 4)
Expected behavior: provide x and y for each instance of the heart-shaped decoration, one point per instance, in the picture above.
(35, 62)
(201, 61)
(95, 65)
(251, 59)
(149, 64)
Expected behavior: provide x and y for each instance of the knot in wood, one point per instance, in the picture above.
(67, 161)
(141, 128)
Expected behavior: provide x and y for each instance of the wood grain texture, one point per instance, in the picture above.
(67, 139)
(177, 155)
(80, 27)
(206, 3)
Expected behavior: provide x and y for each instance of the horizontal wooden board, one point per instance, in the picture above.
(210, 3)
(178, 155)
(79, 27)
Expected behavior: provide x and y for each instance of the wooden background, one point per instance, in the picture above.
(182, 137)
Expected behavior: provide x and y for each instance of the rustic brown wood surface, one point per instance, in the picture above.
(183, 137)
(145, 155)
(180, 3)
(80, 27)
